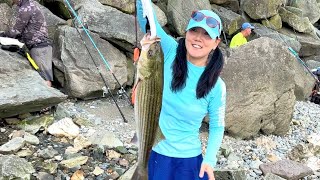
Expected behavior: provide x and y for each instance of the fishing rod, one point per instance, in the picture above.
(95, 46)
(96, 65)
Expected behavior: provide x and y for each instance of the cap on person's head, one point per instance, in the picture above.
(247, 25)
(213, 32)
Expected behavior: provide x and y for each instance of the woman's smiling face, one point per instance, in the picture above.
(199, 44)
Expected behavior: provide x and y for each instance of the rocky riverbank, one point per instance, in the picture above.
(102, 148)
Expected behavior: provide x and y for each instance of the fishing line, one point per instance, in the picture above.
(95, 46)
(96, 65)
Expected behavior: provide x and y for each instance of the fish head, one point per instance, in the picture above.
(154, 53)
(151, 58)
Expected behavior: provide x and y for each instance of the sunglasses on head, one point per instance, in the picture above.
(199, 16)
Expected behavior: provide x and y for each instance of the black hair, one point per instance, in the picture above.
(207, 79)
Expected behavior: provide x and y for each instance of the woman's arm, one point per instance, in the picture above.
(168, 43)
(216, 109)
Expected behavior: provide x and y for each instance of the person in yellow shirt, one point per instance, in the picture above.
(240, 38)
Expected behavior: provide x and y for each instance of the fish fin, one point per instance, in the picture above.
(136, 54)
(140, 174)
(134, 139)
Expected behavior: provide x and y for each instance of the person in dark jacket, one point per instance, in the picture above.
(29, 26)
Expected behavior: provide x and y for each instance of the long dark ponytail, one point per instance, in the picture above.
(207, 79)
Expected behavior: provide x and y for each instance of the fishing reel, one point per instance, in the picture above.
(105, 91)
(121, 93)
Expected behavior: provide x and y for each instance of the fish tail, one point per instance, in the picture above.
(140, 174)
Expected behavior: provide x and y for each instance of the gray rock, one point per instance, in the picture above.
(287, 169)
(13, 167)
(309, 44)
(264, 103)
(233, 5)
(313, 64)
(31, 139)
(218, 1)
(75, 162)
(310, 9)
(301, 24)
(230, 174)
(258, 9)
(33, 124)
(107, 21)
(262, 31)
(123, 5)
(22, 89)
(105, 138)
(5, 15)
(13, 145)
(48, 153)
(231, 21)
(44, 176)
(180, 11)
(82, 79)
(270, 176)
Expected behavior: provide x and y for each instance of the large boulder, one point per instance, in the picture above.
(13, 167)
(299, 23)
(22, 88)
(231, 21)
(179, 12)
(260, 89)
(304, 81)
(274, 22)
(310, 9)
(81, 77)
(218, 1)
(5, 15)
(108, 22)
(258, 9)
(233, 5)
(123, 5)
(309, 44)
(262, 31)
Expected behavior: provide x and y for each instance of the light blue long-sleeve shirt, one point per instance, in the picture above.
(182, 113)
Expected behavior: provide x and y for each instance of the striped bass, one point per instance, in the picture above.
(148, 100)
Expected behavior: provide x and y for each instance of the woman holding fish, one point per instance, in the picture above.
(192, 88)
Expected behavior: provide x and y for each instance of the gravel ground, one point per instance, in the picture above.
(247, 154)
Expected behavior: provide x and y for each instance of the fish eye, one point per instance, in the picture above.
(150, 52)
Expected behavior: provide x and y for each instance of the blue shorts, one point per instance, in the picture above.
(169, 168)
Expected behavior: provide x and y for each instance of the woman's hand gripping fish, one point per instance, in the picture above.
(148, 100)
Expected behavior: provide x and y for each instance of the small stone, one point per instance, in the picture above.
(78, 175)
(295, 122)
(97, 171)
(121, 149)
(257, 171)
(58, 158)
(124, 162)
(24, 153)
(2, 130)
(12, 120)
(111, 154)
(44, 176)
(273, 158)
